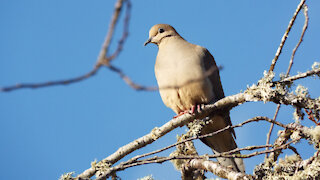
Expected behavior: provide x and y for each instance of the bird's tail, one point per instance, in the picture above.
(222, 142)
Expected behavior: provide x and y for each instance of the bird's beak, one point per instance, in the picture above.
(148, 41)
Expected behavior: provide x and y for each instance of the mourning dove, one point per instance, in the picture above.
(178, 63)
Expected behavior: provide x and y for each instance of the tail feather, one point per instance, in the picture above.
(222, 142)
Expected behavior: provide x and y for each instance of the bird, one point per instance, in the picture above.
(184, 66)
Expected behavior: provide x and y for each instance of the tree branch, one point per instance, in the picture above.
(216, 169)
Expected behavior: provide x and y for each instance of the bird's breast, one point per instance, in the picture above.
(180, 77)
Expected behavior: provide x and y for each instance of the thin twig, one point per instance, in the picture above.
(299, 76)
(285, 36)
(311, 117)
(102, 58)
(295, 151)
(51, 83)
(271, 127)
(305, 26)
(125, 32)
(129, 82)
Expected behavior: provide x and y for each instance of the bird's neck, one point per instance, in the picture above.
(168, 40)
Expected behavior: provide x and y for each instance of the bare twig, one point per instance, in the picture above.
(311, 117)
(102, 58)
(271, 127)
(129, 82)
(285, 36)
(295, 151)
(125, 31)
(305, 26)
(299, 76)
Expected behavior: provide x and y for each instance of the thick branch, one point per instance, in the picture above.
(141, 142)
(216, 169)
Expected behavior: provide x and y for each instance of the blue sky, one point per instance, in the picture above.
(47, 132)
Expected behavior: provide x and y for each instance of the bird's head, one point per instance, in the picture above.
(160, 31)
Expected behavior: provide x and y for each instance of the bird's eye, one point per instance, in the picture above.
(160, 30)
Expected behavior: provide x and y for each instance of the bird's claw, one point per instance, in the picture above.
(194, 109)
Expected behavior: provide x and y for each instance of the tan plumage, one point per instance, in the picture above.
(179, 62)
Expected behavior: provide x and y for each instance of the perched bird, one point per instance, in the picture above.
(184, 66)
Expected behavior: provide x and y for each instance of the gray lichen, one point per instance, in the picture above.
(149, 177)
(67, 176)
(186, 148)
(315, 66)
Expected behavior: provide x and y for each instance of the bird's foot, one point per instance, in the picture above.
(195, 108)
